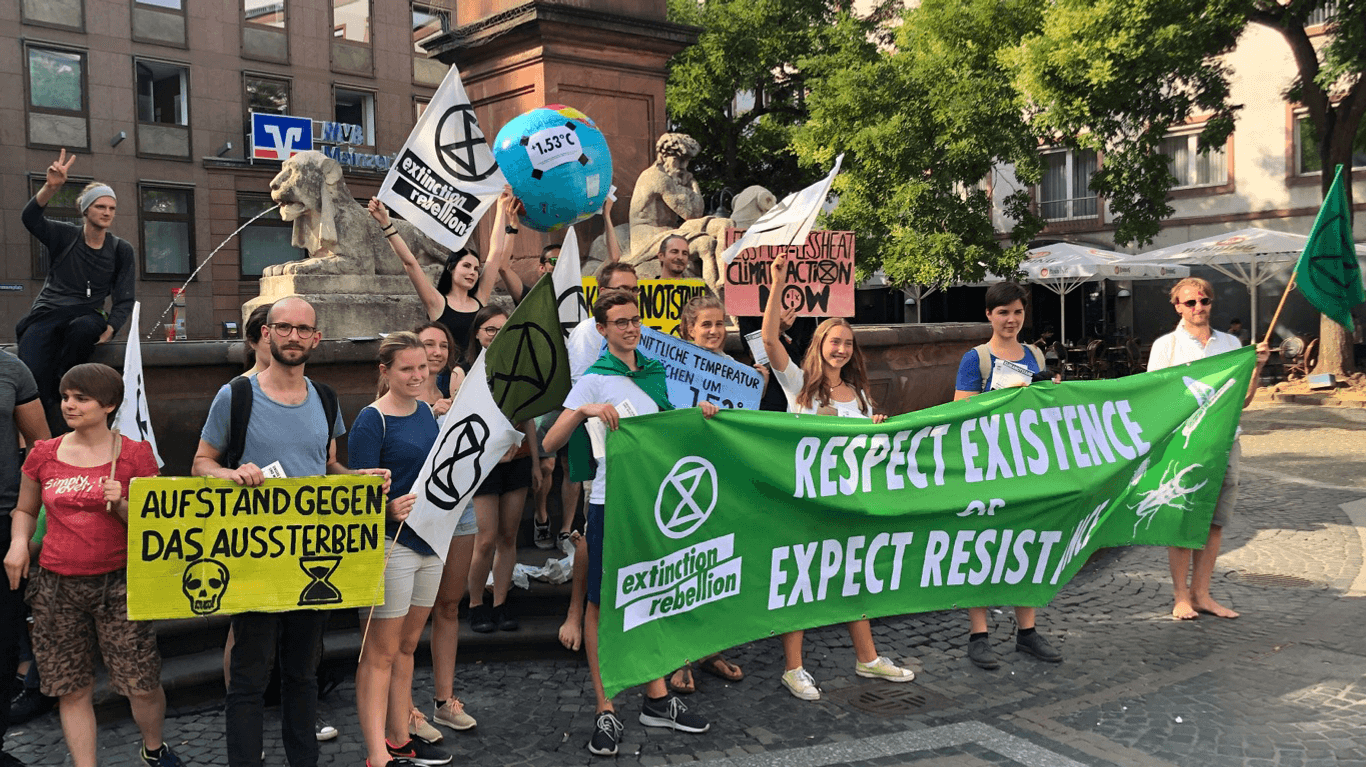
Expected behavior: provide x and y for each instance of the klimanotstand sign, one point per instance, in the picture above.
(751, 524)
(199, 546)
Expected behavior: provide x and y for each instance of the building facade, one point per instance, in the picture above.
(154, 98)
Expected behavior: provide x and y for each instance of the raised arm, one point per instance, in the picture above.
(512, 281)
(432, 301)
(500, 242)
(56, 178)
(613, 247)
(772, 329)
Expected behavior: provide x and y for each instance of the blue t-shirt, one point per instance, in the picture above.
(399, 443)
(970, 370)
(295, 435)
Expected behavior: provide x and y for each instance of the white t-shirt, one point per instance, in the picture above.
(792, 379)
(595, 389)
(1179, 347)
(584, 346)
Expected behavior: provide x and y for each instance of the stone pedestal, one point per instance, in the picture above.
(348, 306)
(606, 58)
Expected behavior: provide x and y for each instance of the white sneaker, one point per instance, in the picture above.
(800, 684)
(883, 668)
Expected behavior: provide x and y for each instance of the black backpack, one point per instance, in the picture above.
(240, 414)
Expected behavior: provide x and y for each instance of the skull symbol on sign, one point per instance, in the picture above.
(204, 583)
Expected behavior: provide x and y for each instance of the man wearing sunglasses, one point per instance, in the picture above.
(1193, 339)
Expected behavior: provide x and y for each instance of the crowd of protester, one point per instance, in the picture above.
(78, 483)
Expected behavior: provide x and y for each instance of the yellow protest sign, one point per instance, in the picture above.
(200, 546)
(661, 301)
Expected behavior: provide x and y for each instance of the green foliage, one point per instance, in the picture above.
(769, 51)
(922, 125)
(1115, 76)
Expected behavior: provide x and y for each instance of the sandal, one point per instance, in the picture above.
(718, 666)
(681, 681)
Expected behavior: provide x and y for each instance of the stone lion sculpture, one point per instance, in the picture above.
(339, 234)
(667, 201)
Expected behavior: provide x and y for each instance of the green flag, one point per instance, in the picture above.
(1328, 272)
(750, 524)
(528, 367)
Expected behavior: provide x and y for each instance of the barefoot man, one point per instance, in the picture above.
(1194, 339)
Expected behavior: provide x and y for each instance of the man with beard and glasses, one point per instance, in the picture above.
(288, 425)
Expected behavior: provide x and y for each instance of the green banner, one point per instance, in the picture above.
(718, 532)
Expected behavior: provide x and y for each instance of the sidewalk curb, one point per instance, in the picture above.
(1322, 400)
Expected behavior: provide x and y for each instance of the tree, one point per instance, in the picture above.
(1116, 75)
(922, 126)
(740, 90)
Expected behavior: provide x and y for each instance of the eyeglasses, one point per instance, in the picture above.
(283, 329)
(624, 323)
(491, 329)
(551, 261)
(1206, 301)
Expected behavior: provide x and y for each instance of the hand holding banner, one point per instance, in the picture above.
(697, 375)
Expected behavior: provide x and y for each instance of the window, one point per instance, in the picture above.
(173, 5)
(163, 93)
(351, 20)
(1065, 193)
(419, 106)
(1193, 167)
(267, 95)
(427, 23)
(266, 241)
(62, 207)
(56, 80)
(1307, 147)
(167, 231)
(264, 13)
(355, 108)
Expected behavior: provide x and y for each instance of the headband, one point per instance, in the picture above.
(89, 196)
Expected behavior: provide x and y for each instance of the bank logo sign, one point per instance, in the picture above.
(686, 497)
(279, 137)
(678, 583)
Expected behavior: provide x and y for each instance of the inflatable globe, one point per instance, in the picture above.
(558, 165)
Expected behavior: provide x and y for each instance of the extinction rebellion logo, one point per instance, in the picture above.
(690, 577)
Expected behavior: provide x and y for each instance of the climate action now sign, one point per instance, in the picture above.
(200, 546)
(721, 531)
(820, 276)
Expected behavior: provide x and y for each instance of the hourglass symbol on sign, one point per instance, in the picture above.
(319, 590)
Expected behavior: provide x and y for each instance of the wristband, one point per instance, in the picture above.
(510, 229)
(390, 230)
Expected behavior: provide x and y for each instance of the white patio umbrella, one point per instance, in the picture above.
(1249, 256)
(1064, 267)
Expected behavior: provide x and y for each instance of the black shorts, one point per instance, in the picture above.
(506, 477)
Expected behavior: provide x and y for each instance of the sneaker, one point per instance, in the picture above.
(670, 712)
(420, 729)
(481, 619)
(883, 668)
(324, 731)
(541, 534)
(163, 758)
(606, 734)
(29, 703)
(417, 752)
(1036, 645)
(453, 715)
(391, 763)
(506, 619)
(981, 654)
(801, 684)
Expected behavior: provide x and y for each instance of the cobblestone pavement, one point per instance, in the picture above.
(1283, 685)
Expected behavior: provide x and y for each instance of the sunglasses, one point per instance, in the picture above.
(551, 261)
(1191, 303)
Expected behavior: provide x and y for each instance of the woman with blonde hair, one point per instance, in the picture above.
(832, 380)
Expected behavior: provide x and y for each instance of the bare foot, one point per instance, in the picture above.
(571, 633)
(1184, 612)
(1211, 607)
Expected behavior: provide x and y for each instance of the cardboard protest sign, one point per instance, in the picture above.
(445, 176)
(201, 546)
(751, 524)
(697, 375)
(661, 301)
(820, 276)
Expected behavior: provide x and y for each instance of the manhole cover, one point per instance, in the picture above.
(882, 699)
(1274, 580)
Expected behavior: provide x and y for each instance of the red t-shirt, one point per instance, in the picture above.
(82, 538)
